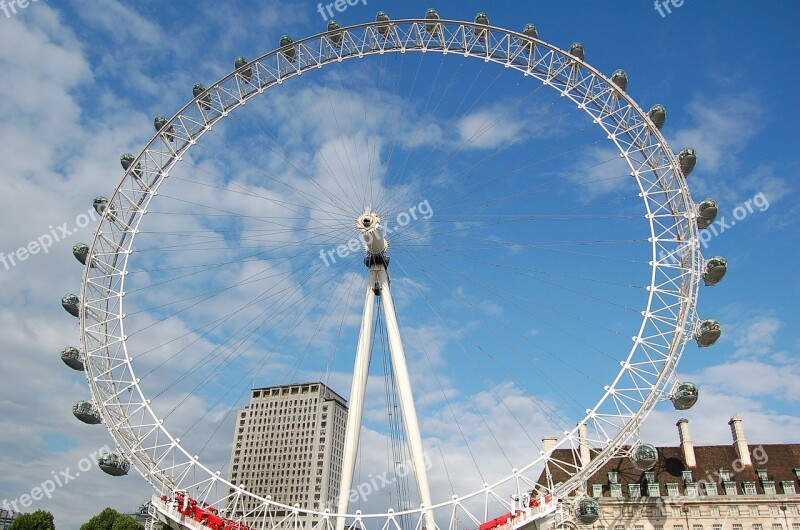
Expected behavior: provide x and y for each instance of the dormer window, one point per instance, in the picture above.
(597, 490)
(613, 477)
(788, 487)
(687, 475)
(725, 475)
(650, 476)
(634, 491)
(730, 488)
(769, 487)
(749, 488)
(762, 474)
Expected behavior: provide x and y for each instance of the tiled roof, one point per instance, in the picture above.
(780, 461)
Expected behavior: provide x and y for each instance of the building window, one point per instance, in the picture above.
(757, 526)
(777, 526)
(733, 511)
(769, 487)
(687, 475)
(754, 511)
(616, 490)
(691, 489)
(730, 488)
(634, 491)
(697, 527)
(677, 527)
(676, 512)
(797, 472)
(736, 526)
(672, 489)
(788, 487)
(711, 488)
(613, 477)
(795, 526)
(716, 527)
(725, 475)
(694, 511)
(638, 527)
(715, 511)
(654, 491)
(597, 490)
(650, 476)
(657, 512)
(617, 511)
(762, 474)
(749, 488)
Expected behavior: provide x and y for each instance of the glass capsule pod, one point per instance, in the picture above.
(159, 122)
(337, 37)
(620, 78)
(72, 305)
(72, 357)
(530, 31)
(432, 28)
(687, 159)
(708, 332)
(205, 101)
(287, 49)
(706, 213)
(644, 457)
(482, 20)
(114, 464)
(240, 64)
(685, 396)
(126, 161)
(383, 29)
(576, 50)
(86, 412)
(657, 115)
(587, 511)
(716, 268)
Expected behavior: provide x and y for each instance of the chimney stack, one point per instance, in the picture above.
(686, 443)
(548, 442)
(583, 434)
(739, 441)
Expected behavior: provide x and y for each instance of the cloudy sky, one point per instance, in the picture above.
(517, 286)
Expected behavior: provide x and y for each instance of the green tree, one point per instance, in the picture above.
(38, 520)
(110, 519)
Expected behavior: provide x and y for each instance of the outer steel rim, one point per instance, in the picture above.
(646, 376)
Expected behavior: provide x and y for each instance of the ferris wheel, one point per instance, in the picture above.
(489, 216)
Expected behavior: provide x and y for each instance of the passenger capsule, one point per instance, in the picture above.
(482, 20)
(530, 31)
(126, 161)
(100, 204)
(198, 89)
(72, 357)
(159, 122)
(81, 251)
(706, 213)
(716, 268)
(658, 115)
(620, 78)
(383, 29)
(86, 412)
(432, 28)
(72, 304)
(587, 511)
(240, 65)
(708, 332)
(336, 38)
(289, 51)
(644, 457)
(685, 396)
(114, 464)
(687, 158)
(576, 50)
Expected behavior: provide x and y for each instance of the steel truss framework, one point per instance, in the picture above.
(646, 376)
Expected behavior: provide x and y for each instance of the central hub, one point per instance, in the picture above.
(369, 225)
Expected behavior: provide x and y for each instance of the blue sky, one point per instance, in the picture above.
(83, 82)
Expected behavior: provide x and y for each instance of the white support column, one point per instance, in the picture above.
(406, 398)
(356, 405)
